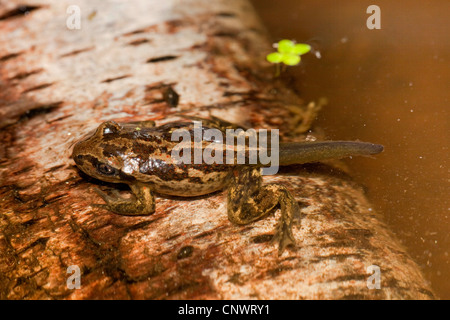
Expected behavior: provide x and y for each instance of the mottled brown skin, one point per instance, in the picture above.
(139, 154)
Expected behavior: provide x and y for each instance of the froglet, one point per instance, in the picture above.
(139, 154)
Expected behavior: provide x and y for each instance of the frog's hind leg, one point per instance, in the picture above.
(249, 200)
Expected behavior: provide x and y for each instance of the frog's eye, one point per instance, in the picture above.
(105, 169)
(108, 127)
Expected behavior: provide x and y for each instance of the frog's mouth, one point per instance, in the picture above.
(79, 160)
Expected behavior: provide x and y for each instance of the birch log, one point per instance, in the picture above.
(59, 81)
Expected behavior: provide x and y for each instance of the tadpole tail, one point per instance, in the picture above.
(305, 152)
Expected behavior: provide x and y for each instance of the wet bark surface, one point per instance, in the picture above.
(125, 63)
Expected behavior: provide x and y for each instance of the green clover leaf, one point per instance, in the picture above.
(301, 48)
(291, 59)
(288, 53)
(275, 57)
(286, 46)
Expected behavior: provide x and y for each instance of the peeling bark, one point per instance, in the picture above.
(57, 84)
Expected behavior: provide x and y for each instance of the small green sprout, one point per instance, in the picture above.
(288, 53)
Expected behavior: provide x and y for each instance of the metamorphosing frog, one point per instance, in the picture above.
(140, 154)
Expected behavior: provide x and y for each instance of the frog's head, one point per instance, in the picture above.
(103, 155)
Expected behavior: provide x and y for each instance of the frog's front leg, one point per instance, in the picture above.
(249, 200)
(141, 203)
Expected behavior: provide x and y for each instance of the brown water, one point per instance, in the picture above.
(389, 86)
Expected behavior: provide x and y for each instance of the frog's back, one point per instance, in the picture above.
(149, 159)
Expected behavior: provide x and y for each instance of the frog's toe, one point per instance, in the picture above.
(284, 237)
(115, 195)
(111, 201)
(98, 205)
(102, 194)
